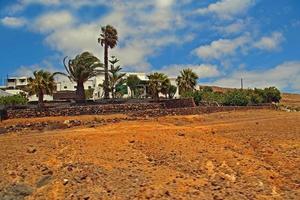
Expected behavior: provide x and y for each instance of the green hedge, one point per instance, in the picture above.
(236, 97)
(13, 100)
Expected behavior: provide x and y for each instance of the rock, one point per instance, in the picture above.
(65, 181)
(181, 134)
(31, 150)
(43, 181)
(3, 130)
(16, 192)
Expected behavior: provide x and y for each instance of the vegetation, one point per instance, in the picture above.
(108, 39)
(236, 97)
(132, 82)
(115, 77)
(158, 82)
(89, 93)
(41, 84)
(186, 81)
(13, 100)
(172, 91)
(83, 67)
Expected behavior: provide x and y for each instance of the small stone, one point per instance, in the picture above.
(181, 134)
(43, 181)
(31, 150)
(65, 181)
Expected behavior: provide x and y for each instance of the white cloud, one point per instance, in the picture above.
(203, 70)
(13, 22)
(54, 20)
(226, 9)
(235, 27)
(286, 75)
(221, 48)
(271, 42)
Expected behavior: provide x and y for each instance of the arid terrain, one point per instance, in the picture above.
(230, 155)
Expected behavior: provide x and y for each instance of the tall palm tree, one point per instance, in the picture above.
(157, 83)
(108, 39)
(83, 67)
(186, 81)
(115, 77)
(41, 84)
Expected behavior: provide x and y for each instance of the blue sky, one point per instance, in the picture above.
(222, 40)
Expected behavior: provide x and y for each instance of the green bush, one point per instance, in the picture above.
(271, 94)
(13, 100)
(236, 98)
(196, 95)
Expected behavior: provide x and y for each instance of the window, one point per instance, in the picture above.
(65, 87)
(75, 87)
(90, 87)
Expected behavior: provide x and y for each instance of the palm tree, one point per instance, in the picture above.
(41, 84)
(157, 83)
(108, 39)
(132, 82)
(115, 77)
(83, 67)
(172, 91)
(186, 81)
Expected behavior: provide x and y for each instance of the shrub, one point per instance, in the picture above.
(271, 94)
(236, 98)
(13, 100)
(196, 95)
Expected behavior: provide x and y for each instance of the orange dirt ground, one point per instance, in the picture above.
(230, 155)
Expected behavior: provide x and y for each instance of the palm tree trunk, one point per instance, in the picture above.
(106, 90)
(41, 99)
(80, 91)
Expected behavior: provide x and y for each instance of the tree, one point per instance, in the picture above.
(108, 39)
(115, 77)
(165, 86)
(41, 84)
(271, 94)
(157, 83)
(132, 82)
(186, 81)
(172, 91)
(83, 67)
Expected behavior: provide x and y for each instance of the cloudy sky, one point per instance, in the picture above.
(222, 40)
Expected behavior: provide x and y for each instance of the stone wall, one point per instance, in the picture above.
(196, 110)
(167, 107)
(82, 110)
(179, 103)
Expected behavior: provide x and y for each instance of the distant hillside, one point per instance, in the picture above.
(291, 99)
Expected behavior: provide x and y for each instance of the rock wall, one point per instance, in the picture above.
(179, 103)
(167, 107)
(195, 110)
(82, 110)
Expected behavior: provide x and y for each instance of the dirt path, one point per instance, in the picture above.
(235, 155)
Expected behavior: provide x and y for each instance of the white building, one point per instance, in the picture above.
(16, 82)
(15, 85)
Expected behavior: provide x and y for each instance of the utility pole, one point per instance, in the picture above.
(242, 84)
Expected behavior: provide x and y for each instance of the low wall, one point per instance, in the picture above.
(82, 110)
(167, 107)
(179, 103)
(196, 110)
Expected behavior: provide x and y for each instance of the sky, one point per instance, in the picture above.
(221, 40)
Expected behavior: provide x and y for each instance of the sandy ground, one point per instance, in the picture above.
(232, 155)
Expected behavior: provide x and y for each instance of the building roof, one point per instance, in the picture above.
(4, 94)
